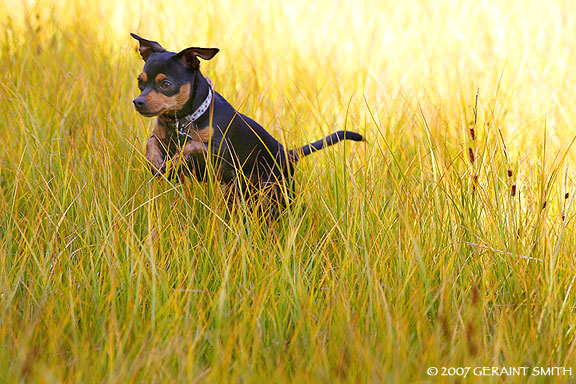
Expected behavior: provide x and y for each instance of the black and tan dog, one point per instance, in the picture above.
(194, 122)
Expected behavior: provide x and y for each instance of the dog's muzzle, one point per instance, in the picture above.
(139, 102)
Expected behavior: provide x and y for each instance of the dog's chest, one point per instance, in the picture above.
(194, 132)
(176, 133)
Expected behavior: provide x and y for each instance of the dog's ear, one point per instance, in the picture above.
(147, 47)
(189, 56)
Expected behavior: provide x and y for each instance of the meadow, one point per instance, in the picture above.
(446, 239)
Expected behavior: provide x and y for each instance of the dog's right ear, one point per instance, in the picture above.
(147, 47)
(189, 56)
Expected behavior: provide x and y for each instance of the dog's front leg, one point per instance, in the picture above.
(183, 161)
(156, 157)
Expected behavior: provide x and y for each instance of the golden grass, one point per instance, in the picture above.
(408, 251)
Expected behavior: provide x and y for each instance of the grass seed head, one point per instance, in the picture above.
(471, 155)
(470, 331)
(475, 295)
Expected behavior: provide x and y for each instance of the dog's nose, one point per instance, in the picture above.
(139, 102)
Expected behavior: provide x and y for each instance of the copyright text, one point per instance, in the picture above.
(499, 371)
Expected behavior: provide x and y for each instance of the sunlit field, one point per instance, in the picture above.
(446, 239)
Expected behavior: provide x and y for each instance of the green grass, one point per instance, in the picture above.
(399, 253)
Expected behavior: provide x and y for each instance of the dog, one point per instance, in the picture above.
(195, 125)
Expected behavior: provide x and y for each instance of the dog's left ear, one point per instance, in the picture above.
(189, 56)
(147, 47)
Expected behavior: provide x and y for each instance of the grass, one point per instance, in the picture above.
(427, 245)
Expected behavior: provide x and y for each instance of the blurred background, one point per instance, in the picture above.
(388, 55)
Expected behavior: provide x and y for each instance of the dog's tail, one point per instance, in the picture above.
(332, 139)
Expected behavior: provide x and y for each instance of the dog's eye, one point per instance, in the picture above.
(165, 84)
(140, 83)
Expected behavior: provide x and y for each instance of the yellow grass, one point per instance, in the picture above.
(399, 254)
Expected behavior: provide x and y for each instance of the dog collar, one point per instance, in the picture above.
(204, 106)
(183, 123)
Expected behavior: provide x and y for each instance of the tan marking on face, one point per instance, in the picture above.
(183, 96)
(143, 76)
(160, 77)
(158, 103)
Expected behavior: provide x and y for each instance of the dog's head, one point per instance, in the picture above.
(166, 80)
